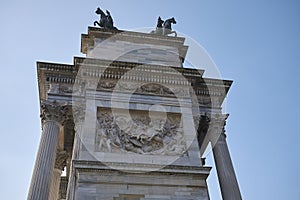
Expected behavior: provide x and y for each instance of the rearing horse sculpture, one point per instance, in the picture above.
(164, 27)
(167, 26)
(105, 21)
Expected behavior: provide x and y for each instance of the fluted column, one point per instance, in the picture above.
(52, 115)
(226, 175)
(60, 163)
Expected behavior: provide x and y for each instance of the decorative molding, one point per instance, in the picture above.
(152, 88)
(66, 89)
(106, 84)
(146, 88)
(119, 168)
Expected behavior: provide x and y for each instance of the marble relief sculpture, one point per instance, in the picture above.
(139, 134)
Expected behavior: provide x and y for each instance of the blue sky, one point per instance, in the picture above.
(255, 43)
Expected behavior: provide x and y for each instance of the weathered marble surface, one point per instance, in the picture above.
(100, 182)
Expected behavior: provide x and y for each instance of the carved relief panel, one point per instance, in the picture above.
(139, 133)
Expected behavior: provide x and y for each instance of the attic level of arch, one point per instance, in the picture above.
(88, 40)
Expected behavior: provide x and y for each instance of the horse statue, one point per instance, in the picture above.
(167, 26)
(159, 27)
(164, 27)
(105, 21)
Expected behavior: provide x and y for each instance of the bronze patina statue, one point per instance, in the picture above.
(105, 21)
(159, 27)
(164, 27)
(167, 26)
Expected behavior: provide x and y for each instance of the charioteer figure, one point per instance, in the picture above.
(165, 27)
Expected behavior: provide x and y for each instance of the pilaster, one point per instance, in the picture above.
(60, 163)
(79, 116)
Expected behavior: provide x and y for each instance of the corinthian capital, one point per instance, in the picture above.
(53, 111)
(218, 123)
(217, 119)
(212, 130)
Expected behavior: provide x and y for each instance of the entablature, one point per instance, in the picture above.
(108, 76)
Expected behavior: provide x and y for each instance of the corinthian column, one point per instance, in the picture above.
(52, 115)
(226, 175)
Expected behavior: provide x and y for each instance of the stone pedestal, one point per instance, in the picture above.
(97, 181)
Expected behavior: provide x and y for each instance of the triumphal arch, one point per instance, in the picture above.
(128, 121)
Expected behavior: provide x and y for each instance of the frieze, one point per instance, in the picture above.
(66, 89)
(139, 134)
(138, 88)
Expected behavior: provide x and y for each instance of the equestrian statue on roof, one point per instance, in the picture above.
(105, 21)
(164, 27)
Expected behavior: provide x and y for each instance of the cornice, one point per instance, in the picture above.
(139, 167)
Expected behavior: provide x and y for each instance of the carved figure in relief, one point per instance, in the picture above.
(103, 136)
(139, 134)
(102, 141)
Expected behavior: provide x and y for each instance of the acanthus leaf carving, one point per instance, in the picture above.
(53, 111)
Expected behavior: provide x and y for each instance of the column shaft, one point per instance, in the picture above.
(227, 178)
(41, 179)
(55, 182)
